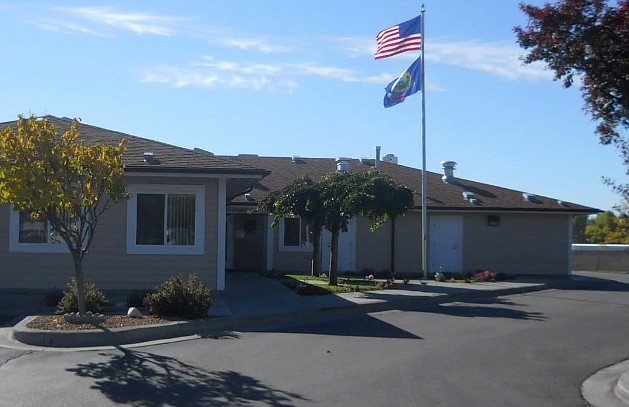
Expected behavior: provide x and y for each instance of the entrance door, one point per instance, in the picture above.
(446, 238)
(347, 249)
(249, 233)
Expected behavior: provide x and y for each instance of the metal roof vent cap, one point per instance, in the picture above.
(528, 197)
(342, 164)
(149, 157)
(448, 171)
(390, 158)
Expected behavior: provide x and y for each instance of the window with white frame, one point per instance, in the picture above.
(165, 219)
(295, 235)
(33, 235)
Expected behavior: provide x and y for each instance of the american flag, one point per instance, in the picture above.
(399, 38)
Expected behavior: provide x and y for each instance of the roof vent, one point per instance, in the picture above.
(249, 198)
(448, 171)
(528, 197)
(149, 158)
(342, 164)
(202, 151)
(377, 163)
(469, 196)
(390, 158)
(297, 159)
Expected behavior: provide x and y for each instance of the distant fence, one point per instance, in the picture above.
(604, 257)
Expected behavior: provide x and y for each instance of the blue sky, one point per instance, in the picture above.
(283, 78)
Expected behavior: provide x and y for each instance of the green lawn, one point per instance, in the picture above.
(312, 285)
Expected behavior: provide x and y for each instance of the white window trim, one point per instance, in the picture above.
(302, 248)
(199, 219)
(16, 246)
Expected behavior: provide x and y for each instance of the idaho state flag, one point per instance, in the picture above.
(407, 84)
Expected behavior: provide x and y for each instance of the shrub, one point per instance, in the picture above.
(484, 275)
(439, 276)
(95, 299)
(179, 298)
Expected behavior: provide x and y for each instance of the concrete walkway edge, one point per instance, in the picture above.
(608, 387)
(217, 325)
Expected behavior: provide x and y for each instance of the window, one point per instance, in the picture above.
(164, 219)
(295, 235)
(33, 235)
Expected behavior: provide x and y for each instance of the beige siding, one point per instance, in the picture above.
(373, 249)
(408, 243)
(107, 262)
(290, 261)
(522, 244)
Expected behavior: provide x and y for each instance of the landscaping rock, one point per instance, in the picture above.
(87, 318)
(133, 312)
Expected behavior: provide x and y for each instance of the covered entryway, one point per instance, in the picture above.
(245, 241)
(446, 240)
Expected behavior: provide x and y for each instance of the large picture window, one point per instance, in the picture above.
(295, 235)
(166, 219)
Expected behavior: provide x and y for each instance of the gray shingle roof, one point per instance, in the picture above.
(285, 170)
(168, 158)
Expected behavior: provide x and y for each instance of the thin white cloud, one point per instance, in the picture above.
(498, 59)
(257, 44)
(282, 77)
(494, 58)
(106, 21)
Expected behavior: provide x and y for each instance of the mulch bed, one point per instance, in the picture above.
(57, 323)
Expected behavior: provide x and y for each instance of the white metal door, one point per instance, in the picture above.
(446, 239)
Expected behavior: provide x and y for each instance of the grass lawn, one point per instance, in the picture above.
(314, 285)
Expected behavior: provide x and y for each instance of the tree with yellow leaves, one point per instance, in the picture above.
(63, 180)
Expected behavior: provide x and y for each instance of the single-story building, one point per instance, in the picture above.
(472, 225)
(216, 229)
(136, 244)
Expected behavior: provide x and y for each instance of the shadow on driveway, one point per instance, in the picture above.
(361, 325)
(146, 379)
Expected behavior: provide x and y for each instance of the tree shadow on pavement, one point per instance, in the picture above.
(359, 325)
(593, 283)
(145, 379)
(486, 307)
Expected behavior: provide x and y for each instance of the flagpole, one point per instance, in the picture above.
(424, 206)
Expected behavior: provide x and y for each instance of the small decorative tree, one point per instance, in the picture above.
(302, 198)
(60, 179)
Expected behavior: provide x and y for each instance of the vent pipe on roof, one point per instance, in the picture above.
(377, 158)
(528, 197)
(448, 171)
(149, 157)
(390, 158)
(342, 164)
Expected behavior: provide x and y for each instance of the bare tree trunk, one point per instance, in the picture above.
(392, 246)
(316, 252)
(80, 282)
(334, 255)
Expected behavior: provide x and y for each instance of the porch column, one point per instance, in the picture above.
(269, 242)
(221, 226)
